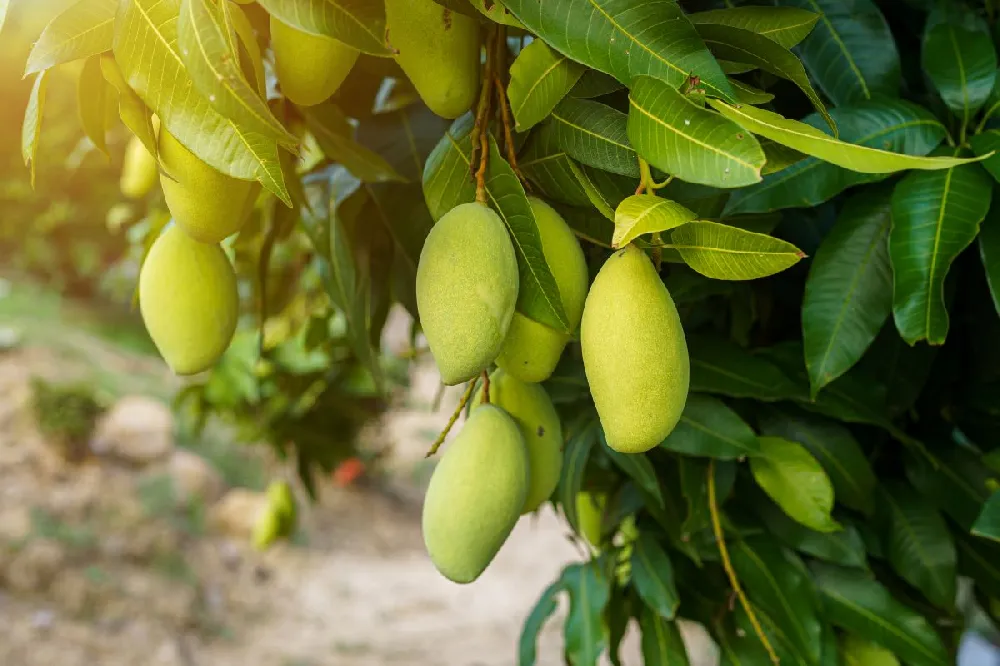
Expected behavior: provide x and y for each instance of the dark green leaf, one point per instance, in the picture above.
(661, 641)
(639, 468)
(902, 368)
(844, 547)
(693, 474)
(335, 137)
(539, 78)
(589, 591)
(959, 58)
(747, 94)
(709, 428)
(653, 576)
(956, 481)
(595, 84)
(532, 627)
(979, 559)
(785, 25)
(989, 251)
(988, 523)
(594, 134)
(720, 367)
(985, 143)
(575, 456)
(795, 480)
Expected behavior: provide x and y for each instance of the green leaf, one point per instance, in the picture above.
(709, 428)
(836, 450)
(896, 125)
(811, 141)
(693, 481)
(83, 29)
(856, 602)
(92, 101)
(496, 13)
(447, 184)
(653, 576)
(527, 645)
(935, 216)
(637, 37)
(851, 53)
(728, 253)
(589, 591)
(134, 113)
(988, 523)
(795, 480)
(720, 367)
(335, 137)
(595, 84)
(745, 46)
(785, 25)
(979, 559)
(777, 584)
(747, 94)
(539, 78)
(848, 294)
(844, 546)
(959, 58)
(989, 252)
(31, 129)
(594, 134)
(661, 641)
(4, 8)
(579, 446)
(639, 469)
(214, 68)
(647, 214)
(987, 143)
(685, 140)
(357, 23)
(860, 652)
(919, 545)
(956, 480)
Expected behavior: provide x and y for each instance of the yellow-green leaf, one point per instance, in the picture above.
(244, 30)
(647, 214)
(539, 78)
(496, 12)
(358, 23)
(4, 6)
(747, 94)
(82, 30)
(92, 99)
(133, 112)
(811, 141)
(796, 481)
(728, 253)
(335, 136)
(32, 127)
(785, 25)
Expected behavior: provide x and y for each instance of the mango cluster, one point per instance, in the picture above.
(507, 459)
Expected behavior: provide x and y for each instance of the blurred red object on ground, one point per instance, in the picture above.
(348, 472)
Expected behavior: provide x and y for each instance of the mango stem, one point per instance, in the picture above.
(451, 422)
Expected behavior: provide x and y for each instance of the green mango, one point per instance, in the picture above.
(532, 409)
(139, 170)
(475, 495)
(590, 512)
(635, 354)
(466, 287)
(310, 67)
(267, 529)
(857, 651)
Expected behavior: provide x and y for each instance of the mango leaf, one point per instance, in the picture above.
(693, 475)
(496, 13)
(214, 68)
(134, 113)
(83, 29)
(935, 216)
(576, 454)
(335, 137)
(357, 23)
(653, 576)
(956, 480)
(539, 78)
(848, 294)
(527, 645)
(989, 252)
(4, 7)
(795, 480)
(836, 450)
(987, 525)
(959, 58)
(709, 428)
(589, 591)
(719, 366)
(595, 84)
(594, 134)
(919, 545)
(986, 143)
(146, 50)
(850, 53)
(647, 214)
(747, 94)
(724, 252)
(92, 100)
(777, 585)
(638, 37)
(785, 25)
(895, 125)
(685, 140)
(639, 469)
(234, 14)
(746, 46)
(31, 129)
(447, 183)
(661, 641)
(855, 601)
(861, 652)
(811, 141)
(844, 546)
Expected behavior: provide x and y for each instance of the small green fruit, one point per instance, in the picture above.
(438, 49)
(532, 350)
(139, 170)
(532, 409)
(475, 495)
(267, 529)
(310, 67)
(282, 501)
(466, 288)
(203, 201)
(634, 353)
(589, 512)
(188, 300)
(857, 651)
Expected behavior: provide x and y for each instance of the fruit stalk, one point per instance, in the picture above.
(501, 91)
(486, 387)
(454, 417)
(480, 130)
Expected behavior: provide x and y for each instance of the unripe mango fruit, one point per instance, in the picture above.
(139, 170)
(475, 495)
(438, 49)
(188, 300)
(280, 497)
(310, 67)
(634, 353)
(532, 349)
(203, 201)
(589, 513)
(532, 409)
(267, 529)
(466, 287)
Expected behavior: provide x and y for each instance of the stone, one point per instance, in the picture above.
(194, 479)
(35, 565)
(15, 524)
(237, 512)
(137, 430)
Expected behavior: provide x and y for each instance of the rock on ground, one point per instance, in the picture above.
(137, 430)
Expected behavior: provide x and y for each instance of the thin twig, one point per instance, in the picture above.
(728, 566)
(508, 134)
(483, 107)
(451, 422)
(486, 387)
(484, 160)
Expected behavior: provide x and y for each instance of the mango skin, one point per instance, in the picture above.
(438, 49)
(532, 409)
(205, 202)
(635, 354)
(310, 67)
(475, 495)
(139, 170)
(467, 284)
(589, 512)
(189, 301)
(532, 349)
